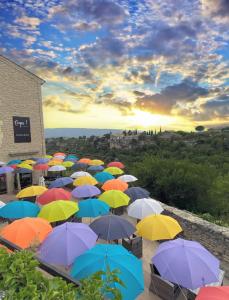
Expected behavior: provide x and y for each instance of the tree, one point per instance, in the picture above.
(199, 128)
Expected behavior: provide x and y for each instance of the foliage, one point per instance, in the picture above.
(20, 279)
(199, 128)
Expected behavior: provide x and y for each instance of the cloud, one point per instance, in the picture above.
(84, 26)
(218, 9)
(54, 102)
(29, 23)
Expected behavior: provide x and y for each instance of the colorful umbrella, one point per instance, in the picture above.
(96, 162)
(92, 208)
(42, 161)
(137, 193)
(19, 209)
(101, 257)
(85, 191)
(103, 177)
(114, 198)
(80, 174)
(95, 168)
(62, 157)
(115, 184)
(57, 168)
(142, 208)
(14, 162)
(25, 166)
(67, 164)
(158, 227)
(59, 154)
(31, 191)
(112, 227)
(23, 171)
(85, 180)
(54, 163)
(2, 204)
(116, 164)
(175, 258)
(66, 242)
(58, 210)
(26, 232)
(6, 169)
(2, 163)
(114, 171)
(85, 160)
(127, 178)
(213, 293)
(48, 156)
(79, 166)
(53, 195)
(41, 167)
(29, 162)
(59, 182)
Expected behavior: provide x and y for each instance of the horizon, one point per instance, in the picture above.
(124, 64)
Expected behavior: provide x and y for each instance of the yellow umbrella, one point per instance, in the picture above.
(24, 166)
(84, 180)
(96, 162)
(58, 210)
(47, 156)
(31, 191)
(29, 162)
(54, 163)
(114, 198)
(67, 164)
(114, 171)
(158, 227)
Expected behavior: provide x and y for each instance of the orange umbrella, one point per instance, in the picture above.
(115, 184)
(26, 232)
(85, 160)
(116, 164)
(59, 154)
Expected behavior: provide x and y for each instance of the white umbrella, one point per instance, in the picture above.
(2, 163)
(144, 207)
(56, 168)
(2, 204)
(127, 178)
(80, 174)
(59, 156)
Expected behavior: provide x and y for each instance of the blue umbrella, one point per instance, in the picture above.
(79, 166)
(23, 171)
(103, 177)
(4, 170)
(100, 257)
(14, 162)
(59, 182)
(137, 193)
(73, 159)
(92, 208)
(95, 168)
(42, 161)
(19, 209)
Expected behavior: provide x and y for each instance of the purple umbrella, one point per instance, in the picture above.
(42, 161)
(186, 263)
(59, 182)
(66, 242)
(85, 191)
(4, 170)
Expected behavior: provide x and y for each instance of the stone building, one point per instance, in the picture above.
(21, 117)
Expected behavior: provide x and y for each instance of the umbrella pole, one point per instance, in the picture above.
(18, 182)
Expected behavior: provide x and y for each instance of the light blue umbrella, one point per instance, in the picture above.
(59, 182)
(103, 177)
(42, 161)
(14, 162)
(101, 256)
(95, 168)
(19, 209)
(6, 169)
(92, 208)
(23, 171)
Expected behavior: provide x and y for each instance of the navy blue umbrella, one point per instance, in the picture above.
(23, 171)
(95, 168)
(137, 193)
(59, 182)
(112, 227)
(79, 166)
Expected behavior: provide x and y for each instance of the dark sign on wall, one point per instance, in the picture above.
(22, 132)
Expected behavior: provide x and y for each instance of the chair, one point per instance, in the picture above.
(134, 245)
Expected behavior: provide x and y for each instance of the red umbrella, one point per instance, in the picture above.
(41, 167)
(13, 166)
(213, 293)
(53, 195)
(116, 164)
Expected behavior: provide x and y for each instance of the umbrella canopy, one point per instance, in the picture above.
(112, 227)
(19, 209)
(31, 191)
(2, 204)
(127, 178)
(175, 258)
(2, 163)
(54, 163)
(26, 232)
(85, 180)
(114, 171)
(70, 159)
(142, 208)
(158, 227)
(92, 208)
(96, 162)
(116, 164)
(62, 157)
(66, 242)
(42, 161)
(85, 160)
(114, 198)
(95, 168)
(67, 164)
(53, 195)
(59, 154)
(57, 168)
(25, 166)
(6, 169)
(114, 257)
(103, 177)
(23, 171)
(85, 191)
(80, 174)
(137, 193)
(29, 162)
(115, 184)
(213, 293)
(48, 156)
(59, 182)
(58, 210)
(14, 162)
(41, 167)
(79, 166)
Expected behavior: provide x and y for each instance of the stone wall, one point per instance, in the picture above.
(215, 238)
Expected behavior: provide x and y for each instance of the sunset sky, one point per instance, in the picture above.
(125, 63)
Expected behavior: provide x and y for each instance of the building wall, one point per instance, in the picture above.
(20, 95)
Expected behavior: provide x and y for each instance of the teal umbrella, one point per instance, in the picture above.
(101, 256)
(92, 208)
(19, 209)
(103, 177)
(14, 162)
